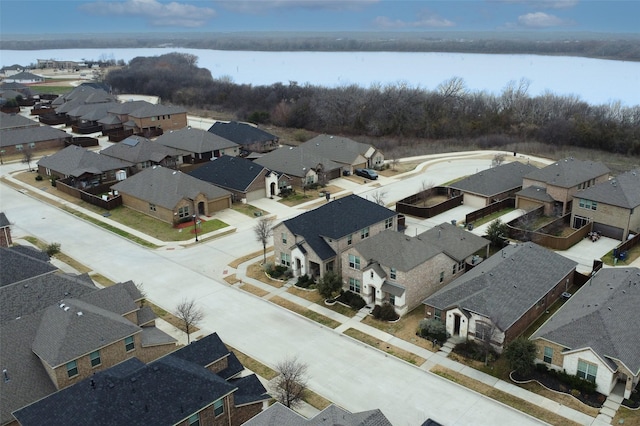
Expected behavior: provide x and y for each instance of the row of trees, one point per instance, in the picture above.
(394, 111)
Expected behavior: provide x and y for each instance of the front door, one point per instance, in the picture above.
(456, 325)
(201, 208)
(373, 294)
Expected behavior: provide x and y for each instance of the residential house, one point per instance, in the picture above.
(278, 414)
(81, 95)
(40, 138)
(595, 334)
(199, 145)
(81, 168)
(195, 385)
(15, 121)
(118, 116)
(346, 152)
(246, 180)
(171, 196)
(156, 119)
(304, 167)
(402, 270)
(491, 185)
(21, 263)
(58, 329)
(498, 299)
(24, 77)
(5, 231)
(248, 136)
(555, 185)
(142, 153)
(9, 70)
(612, 206)
(313, 242)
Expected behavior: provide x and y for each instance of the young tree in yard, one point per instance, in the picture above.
(27, 157)
(190, 316)
(52, 249)
(264, 231)
(521, 354)
(329, 284)
(498, 159)
(497, 232)
(379, 196)
(291, 383)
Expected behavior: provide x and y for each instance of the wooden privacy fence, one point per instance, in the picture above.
(627, 245)
(83, 141)
(109, 204)
(490, 209)
(410, 205)
(543, 236)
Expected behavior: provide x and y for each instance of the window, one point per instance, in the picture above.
(354, 262)
(349, 239)
(483, 331)
(437, 314)
(183, 212)
(129, 344)
(218, 407)
(455, 269)
(152, 207)
(441, 276)
(194, 420)
(548, 354)
(32, 145)
(284, 238)
(392, 274)
(364, 233)
(145, 164)
(388, 223)
(371, 274)
(587, 371)
(285, 259)
(588, 204)
(72, 368)
(354, 285)
(95, 358)
(19, 147)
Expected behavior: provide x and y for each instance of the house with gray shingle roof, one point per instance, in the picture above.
(24, 77)
(278, 414)
(312, 243)
(199, 145)
(491, 185)
(171, 196)
(15, 121)
(21, 262)
(58, 329)
(142, 153)
(5, 231)
(250, 137)
(197, 384)
(595, 333)
(83, 168)
(560, 180)
(402, 270)
(154, 117)
(612, 206)
(347, 152)
(37, 138)
(498, 299)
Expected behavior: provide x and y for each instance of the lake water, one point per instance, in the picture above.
(596, 81)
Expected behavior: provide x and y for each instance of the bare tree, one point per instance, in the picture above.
(498, 159)
(379, 196)
(190, 315)
(394, 163)
(425, 185)
(487, 333)
(27, 157)
(291, 383)
(264, 231)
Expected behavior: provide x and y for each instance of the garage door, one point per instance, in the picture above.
(474, 201)
(255, 195)
(608, 230)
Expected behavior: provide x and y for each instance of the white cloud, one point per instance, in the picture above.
(259, 6)
(425, 20)
(157, 13)
(540, 20)
(545, 4)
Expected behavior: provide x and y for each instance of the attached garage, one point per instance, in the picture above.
(608, 231)
(219, 204)
(255, 195)
(471, 200)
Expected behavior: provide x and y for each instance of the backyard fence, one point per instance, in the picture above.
(490, 209)
(410, 205)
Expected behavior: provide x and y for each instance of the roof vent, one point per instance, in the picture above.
(79, 313)
(66, 308)
(62, 305)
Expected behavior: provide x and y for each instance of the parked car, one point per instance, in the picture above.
(367, 173)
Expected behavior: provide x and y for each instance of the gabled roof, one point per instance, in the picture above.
(601, 315)
(74, 328)
(18, 265)
(76, 161)
(137, 149)
(337, 148)
(151, 110)
(621, 191)
(496, 180)
(279, 415)
(24, 75)
(194, 140)
(4, 222)
(127, 107)
(336, 220)
(90, 112)
(569, 172)
(166, 188)
(241, 133)
(165, 392)
(295, 161)
(13, 121)
(9, 94)
(455, 242)
(208, 350)
(26, 135)
(228, 172)
(535, 193)
(506, 285)
(119, 298)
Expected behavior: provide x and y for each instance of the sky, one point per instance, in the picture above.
(146, 16)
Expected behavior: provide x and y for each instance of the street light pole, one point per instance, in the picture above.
(195, 226)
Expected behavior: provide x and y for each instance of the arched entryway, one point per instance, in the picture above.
(201, 208)
(272, 189)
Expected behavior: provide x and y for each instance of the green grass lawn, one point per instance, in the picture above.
(52, 90)
(632, 255)
(492, 216)
(247, 209)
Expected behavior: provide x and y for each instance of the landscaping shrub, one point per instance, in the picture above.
(278, 271)
(38, 178)
(385, 312)
(304, 281)
(329, 284)
(352, 299)
(472, 350)
(433, 329)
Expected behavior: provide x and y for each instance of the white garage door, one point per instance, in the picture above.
(255, 195)
(474, 201)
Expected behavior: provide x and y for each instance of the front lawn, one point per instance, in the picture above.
(404, 329)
